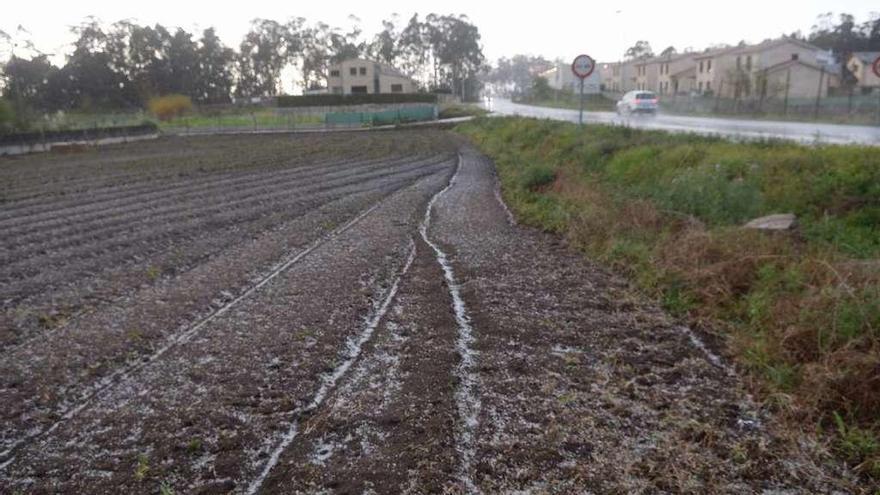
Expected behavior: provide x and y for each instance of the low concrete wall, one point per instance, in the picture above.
(39, 147)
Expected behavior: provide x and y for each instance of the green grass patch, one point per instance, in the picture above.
(462, 110)
(567, 99)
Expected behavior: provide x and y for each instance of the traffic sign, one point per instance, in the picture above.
(583, 66)
(876, 67)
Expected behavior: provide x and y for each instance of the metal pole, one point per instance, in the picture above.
(819, 93)
(878, 105)
(787, 84)
(581, 115)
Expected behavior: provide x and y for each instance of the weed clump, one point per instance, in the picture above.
(170, 106)
(537, 176)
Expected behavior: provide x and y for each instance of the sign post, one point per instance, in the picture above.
(876, 68)
(582, 67)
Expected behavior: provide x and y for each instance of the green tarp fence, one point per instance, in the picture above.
(384, 117)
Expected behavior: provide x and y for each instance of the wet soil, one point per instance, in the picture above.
(313, 314)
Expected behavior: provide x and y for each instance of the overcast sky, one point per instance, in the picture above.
(556, 29)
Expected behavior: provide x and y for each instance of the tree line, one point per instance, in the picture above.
(124, 64)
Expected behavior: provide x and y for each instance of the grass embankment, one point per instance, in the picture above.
(462, 110)
(563, 99)
(799, 310)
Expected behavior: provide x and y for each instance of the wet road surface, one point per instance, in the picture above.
(804, 132)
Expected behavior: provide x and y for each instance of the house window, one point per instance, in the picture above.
(337, 90)
(353, 71)
(700, 85)
(738, 62)
(334, 73)
(795, 56)
(356, 90)
(708, 85)
(749, 62)
(709, 65)
(397, 88)
(701, 66)
(363, 71)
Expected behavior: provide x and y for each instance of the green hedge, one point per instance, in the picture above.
(356, 99)
(386, 117)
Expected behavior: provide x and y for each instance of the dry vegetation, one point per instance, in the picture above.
(799, 310)
(168, 107)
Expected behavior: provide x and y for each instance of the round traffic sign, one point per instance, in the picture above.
(583, 66)
(876, 67)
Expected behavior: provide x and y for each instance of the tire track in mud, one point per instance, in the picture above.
(353, 351)
(7, 457)
(467, 398)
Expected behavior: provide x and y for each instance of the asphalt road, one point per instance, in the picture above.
(806, 132)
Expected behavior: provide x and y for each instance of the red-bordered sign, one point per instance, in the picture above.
(876, 67)
(583, 66)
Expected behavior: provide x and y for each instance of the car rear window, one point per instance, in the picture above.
(645, 96)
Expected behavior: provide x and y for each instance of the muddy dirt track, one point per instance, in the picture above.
(355, 313)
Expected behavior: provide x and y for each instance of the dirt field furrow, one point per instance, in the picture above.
(343, 313)
(26, 214)
(80, 210)
(50, 311)
(208, 208)
(118, 166)
(109, 251)
(274, 360)
(45, 374)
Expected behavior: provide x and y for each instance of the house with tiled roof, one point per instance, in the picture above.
(358, 75)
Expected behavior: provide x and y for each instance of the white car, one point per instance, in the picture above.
(637, 102)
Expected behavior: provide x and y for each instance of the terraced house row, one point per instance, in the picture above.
(778, 68)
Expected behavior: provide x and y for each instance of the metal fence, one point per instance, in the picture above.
(849, 107)
(208, 120)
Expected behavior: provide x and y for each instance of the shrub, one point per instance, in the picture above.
(169, 106)
(354, 99)
(7, 117)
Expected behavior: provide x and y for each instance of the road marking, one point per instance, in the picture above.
(466, 395)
